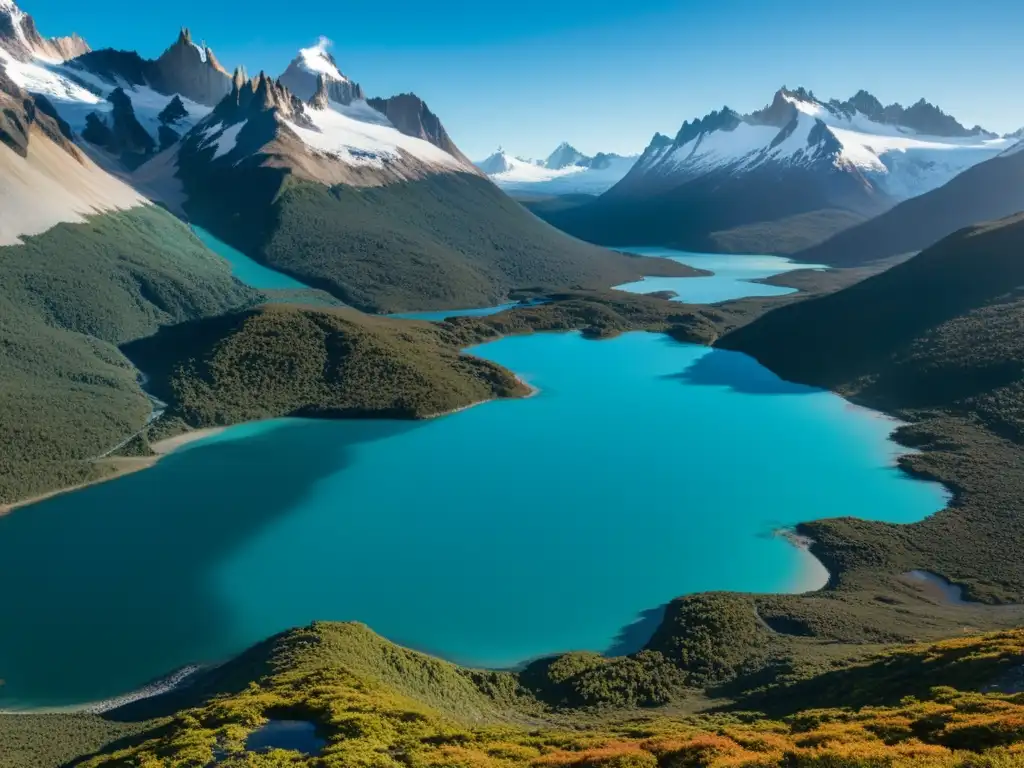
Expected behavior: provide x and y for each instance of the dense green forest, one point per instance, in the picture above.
(67, 298)
(283, 360)
(446, 241)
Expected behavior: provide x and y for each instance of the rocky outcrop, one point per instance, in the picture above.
(724, 119)
(20, 37)
(191, 70)
(322, 98)
(19, 112)
(59, 48)
(928, 119)
(778, 114)
(257, 98)
(97, 132)
(174, 112)
(409, 114)
(922, 117)
(184, 69)
(121, 133)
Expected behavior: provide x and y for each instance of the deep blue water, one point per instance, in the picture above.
(643, 470)
(295, 735)
(247, 270)
(732, 276)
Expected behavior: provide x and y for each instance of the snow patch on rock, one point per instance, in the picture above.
(359, 135)
(76, 92)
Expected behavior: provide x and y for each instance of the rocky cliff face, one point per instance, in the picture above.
(19, 112)
(120, 132)
(191, 70)
(409, 114)
(20, 38)
(262, 94)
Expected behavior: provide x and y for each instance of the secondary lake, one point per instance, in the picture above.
(248, 270)
(732, 279)
(644, 469)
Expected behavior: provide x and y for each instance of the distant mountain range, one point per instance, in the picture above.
(564, 171)
(782, 178)
(283, 168)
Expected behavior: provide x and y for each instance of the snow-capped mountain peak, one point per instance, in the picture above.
(302, 77)
(502, 163)
(185, 38)
(337, 141)
(900, 152)
(565, 155)
(318, 60)
(565, 171)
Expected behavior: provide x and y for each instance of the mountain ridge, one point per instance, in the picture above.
(987, 191)
(778, 179)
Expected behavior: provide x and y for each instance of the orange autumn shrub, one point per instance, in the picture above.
(617, 755)
(704, 750)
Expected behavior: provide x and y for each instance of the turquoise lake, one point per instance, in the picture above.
(731, 279)
(439, 315)
(247, 270)
(644, 469)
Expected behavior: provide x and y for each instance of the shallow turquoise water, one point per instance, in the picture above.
(731, 278)
(444, 314)
(439, 315)
(643, 470)
(250, 272)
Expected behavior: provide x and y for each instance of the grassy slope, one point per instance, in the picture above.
(381, 706)
(938, 340)
(283, 360)
(67, 297)
(444, 242)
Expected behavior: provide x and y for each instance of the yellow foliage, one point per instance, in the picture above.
(372, 722)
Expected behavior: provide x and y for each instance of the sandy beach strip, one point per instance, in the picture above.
(171, 444)
(126, 465)
(120, 466)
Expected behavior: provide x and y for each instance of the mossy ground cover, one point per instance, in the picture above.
(380, 706)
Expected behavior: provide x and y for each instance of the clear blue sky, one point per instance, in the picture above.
(603, 75)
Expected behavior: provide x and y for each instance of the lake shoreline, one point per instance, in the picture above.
(801, 542)
(123, 466)
(129, 465)
(816, 576)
